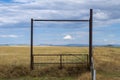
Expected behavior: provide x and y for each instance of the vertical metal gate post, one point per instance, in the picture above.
(90, 36)
(31, 46)
(93, 71)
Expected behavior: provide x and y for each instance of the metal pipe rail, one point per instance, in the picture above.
(60, 54)
(60, 20)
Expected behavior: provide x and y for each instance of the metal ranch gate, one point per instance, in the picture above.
(61, 56)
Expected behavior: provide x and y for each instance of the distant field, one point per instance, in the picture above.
(14, 64)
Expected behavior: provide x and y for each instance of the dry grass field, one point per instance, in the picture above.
(14, 64)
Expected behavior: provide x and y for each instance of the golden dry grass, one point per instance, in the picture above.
(21, 55)
(14, 63)
(107, 63)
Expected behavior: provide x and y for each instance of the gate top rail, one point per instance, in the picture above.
(53, 20)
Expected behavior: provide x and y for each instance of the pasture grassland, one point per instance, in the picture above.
(21, 55)
(14, 64)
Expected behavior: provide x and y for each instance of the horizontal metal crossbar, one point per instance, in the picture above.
(61, 20)
(60, 54)
(62, 63)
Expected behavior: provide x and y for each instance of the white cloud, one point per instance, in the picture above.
(61, 9)
(67, 37)
(20, 11)
(105, 40)
(79, 34)
(23, 1)
(9, 36)
(100, 15)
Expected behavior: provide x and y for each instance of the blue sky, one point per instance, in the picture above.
(15, 18)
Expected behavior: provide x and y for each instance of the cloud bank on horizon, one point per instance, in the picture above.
(15, 18)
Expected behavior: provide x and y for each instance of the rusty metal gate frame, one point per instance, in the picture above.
(90, 20)
(61, 59)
